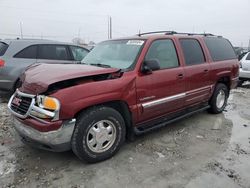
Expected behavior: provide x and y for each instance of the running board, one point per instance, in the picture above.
(144, 129)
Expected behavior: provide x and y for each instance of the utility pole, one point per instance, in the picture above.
(109, 27)
(21, 30)
(79, 32)
(249, 45)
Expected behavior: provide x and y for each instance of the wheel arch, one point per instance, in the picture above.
(120, 106)
(224, 80)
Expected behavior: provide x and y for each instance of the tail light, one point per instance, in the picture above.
(2, 63)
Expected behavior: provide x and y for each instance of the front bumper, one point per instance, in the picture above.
(57, 140)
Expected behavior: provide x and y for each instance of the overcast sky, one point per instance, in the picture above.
(66, 19)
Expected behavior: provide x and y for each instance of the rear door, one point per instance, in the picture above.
(161, 92)
(197, 72)
(21, 60)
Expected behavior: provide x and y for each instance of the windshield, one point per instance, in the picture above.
(117, 54)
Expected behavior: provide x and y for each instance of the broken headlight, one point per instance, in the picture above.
(48, 103)
(46, 108)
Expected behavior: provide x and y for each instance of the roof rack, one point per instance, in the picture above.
(155, 32)
(176, 33)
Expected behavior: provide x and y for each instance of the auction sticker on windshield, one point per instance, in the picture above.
(135, 42)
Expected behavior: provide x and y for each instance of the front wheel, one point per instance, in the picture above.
(218, 101)
(98, 135)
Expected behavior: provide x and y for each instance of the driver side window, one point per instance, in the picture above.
(163, 51)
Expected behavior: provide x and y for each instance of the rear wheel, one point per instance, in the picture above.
(218, 101)
(98, 135)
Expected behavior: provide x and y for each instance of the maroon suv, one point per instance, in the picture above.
(123, 87)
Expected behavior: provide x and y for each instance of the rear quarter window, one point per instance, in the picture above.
(3, 48)
(220, 49)
(30, 52)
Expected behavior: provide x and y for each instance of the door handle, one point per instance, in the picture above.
(180, 76)
(206, 70)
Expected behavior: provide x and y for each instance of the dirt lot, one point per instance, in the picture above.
(201, 151)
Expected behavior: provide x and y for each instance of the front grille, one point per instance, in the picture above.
(20, 104)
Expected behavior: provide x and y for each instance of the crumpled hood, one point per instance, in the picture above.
(37, 78)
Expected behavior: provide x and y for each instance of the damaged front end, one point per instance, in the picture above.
(40, 107)
(82, 80)
(37, 121)
(36, 107)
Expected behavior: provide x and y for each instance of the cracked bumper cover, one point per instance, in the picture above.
(57, 140)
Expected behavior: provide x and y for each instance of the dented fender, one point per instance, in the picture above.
(79, 97)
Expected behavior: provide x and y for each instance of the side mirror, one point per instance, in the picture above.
(150, 65)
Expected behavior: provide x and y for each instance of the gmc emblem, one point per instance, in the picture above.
(17, 101)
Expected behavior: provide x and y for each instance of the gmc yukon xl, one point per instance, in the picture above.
(122, 88)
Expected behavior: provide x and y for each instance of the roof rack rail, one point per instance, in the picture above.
(176, 33)
(190, 34)
(155, 32)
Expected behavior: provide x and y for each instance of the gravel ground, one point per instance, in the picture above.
(203, 150)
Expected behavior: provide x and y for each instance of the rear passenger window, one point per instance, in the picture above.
(164, 51)
(220, 49)
(193, 53)
(29, 52)
(53, 52)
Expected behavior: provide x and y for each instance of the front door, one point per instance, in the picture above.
(162, 91)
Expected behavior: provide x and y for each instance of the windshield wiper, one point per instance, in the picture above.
(79, 62)
(100, 65)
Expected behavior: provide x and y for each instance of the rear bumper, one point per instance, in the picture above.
(244, 75)
(57, 140)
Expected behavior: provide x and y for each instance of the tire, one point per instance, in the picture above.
(93, 127)
(217, 104)
(240, 83)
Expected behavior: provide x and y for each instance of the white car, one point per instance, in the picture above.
(244, 69)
